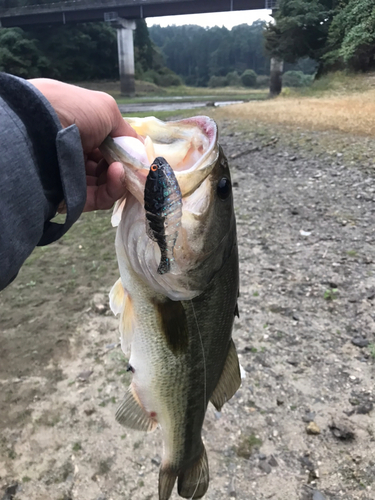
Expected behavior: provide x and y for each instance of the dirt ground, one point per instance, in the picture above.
(301, 427)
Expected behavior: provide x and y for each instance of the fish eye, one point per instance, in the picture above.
(154, 167)
(224, 188)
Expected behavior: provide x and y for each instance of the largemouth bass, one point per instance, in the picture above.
(178, 288)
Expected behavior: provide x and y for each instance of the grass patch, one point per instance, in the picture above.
(146, 91)
(77, 446)
(104, 466)
(168, 115)
(351, 253)
(330, 294)
(247, 445)
(336, 102)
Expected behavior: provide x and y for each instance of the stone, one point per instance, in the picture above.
(308, 417)
(364, 408)
(360, 341)
(318, 496)
(307, 463)
(156, 460)
(312, 428)
(100, 303)
(84, 376)
(10, 492)
(265, 466)
(272, 461)
(342, 431)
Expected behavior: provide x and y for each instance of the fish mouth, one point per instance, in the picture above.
(189, 146)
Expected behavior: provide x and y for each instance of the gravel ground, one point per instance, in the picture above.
(301, 427)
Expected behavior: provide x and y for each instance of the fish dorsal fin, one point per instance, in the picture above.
(131, 414)
(117, 297)
(229, 381)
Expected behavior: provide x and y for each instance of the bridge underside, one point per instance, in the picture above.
(121, 13)
(81, 11)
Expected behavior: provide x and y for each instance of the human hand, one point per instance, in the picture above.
(96, 115)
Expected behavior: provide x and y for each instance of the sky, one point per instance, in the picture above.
(227, 19)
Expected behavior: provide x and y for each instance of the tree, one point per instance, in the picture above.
(300, 29)
(20, 55)
(143, 49)
(351, 37)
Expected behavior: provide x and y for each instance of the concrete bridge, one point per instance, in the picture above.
(121, 14)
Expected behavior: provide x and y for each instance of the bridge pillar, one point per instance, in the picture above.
(125, 49)
(277, 65)
(276, 73)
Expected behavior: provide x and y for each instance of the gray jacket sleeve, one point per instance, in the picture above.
(41, 165)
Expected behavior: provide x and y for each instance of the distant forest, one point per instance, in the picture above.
(197, 54)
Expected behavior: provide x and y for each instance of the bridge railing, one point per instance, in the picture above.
(74, 5)
(271, 4)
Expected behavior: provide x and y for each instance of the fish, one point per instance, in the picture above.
(177, 293)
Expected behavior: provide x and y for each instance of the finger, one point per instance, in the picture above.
(90, 167)
(97, 199)
(102, 167)
(95, 155)
(120, 127)
(91, 180)
(116, 180)
(102, 179)
(61, 209)
(95, 169)
(102, 197)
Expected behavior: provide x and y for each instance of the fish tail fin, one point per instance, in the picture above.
(167, 478)
(193, 482)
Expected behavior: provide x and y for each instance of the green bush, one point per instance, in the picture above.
(263, 81)
(169, 80)
(308, 80)
(296, 79)
(150, 76)
(217, 81)
(233, 79)
(249, 78)
(163, 78)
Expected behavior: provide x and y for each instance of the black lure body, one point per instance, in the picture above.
(163, 206)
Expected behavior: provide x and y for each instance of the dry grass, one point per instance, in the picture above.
(351, 113)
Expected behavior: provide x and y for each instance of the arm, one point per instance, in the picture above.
(49, 134)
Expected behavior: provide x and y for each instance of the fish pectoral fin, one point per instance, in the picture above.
(117, 297)
(193, 482)
(131, 414)
(117, 211)
(127, 323)
(229, 381)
